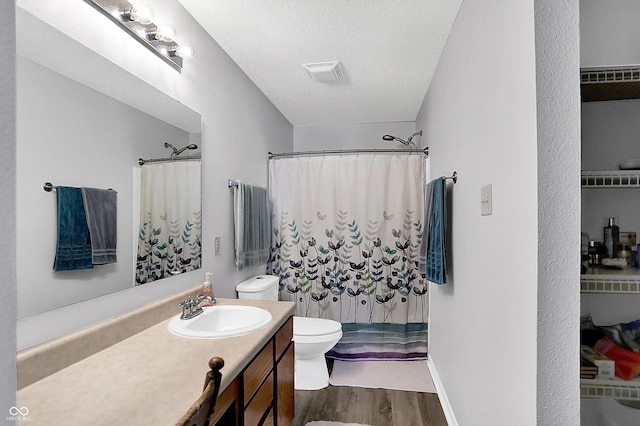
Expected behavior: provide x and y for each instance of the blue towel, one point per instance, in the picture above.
(101, 209)
(436, 271)
(73, 248)
(424, 243)
(252, 225)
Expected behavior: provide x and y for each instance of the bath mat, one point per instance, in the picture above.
(397, 375)
(323, 423)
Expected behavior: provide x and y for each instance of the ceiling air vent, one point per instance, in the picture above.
(324, 71)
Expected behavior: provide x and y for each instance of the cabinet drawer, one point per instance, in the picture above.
(257, 371)
(283, 337)
(260, 404)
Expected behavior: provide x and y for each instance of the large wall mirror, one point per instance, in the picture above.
(76, 128)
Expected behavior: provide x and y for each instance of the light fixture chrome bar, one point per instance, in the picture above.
(115, 10)
(424, 151)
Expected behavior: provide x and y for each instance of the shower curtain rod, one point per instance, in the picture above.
(424, 151)
(160, 160)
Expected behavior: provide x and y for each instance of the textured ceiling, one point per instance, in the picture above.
(388, 49)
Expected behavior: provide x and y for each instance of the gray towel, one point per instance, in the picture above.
(252, 226)
(100, 207)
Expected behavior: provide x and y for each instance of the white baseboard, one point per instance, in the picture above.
(442, 395)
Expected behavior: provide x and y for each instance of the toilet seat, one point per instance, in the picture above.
(303, 326)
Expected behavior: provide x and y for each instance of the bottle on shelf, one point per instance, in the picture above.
(611, 237)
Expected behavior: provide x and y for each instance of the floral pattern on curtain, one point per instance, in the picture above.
(169, 239)
(346, 241)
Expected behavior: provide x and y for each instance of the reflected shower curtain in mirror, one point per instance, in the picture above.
(346, 241)
(170, 220)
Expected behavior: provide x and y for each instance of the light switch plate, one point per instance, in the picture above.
(486, 204)
(216, 245)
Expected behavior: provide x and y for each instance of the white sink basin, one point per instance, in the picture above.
(221, 321)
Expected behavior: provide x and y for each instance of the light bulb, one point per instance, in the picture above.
(185, 52)
(165, 33)
(140, 13)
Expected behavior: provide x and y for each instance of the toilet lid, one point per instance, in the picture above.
(303, 326)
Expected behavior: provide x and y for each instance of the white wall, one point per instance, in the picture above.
(558, 116)
(480, 118)
(609, 33)
(353, 136)
(240, 125)
(75, 143)
(7, 210)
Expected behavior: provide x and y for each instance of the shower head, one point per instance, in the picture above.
(408, 142)
(168, 145)
(176, 151)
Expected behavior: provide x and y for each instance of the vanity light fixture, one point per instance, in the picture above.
(136, 19)
(184, 52)
(141, 13)
(163, 33)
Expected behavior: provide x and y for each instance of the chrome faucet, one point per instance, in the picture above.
(191, 308)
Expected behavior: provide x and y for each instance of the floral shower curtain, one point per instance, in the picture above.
(170, 220)
(346, 241)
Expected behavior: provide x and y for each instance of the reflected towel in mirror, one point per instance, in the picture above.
(73, 244)
(100, 207)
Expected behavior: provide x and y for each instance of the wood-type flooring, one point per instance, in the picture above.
(377, 407)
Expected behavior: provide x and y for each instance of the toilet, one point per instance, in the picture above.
(313, 337)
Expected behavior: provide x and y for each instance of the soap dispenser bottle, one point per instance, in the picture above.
(207, 288)
(611, 237)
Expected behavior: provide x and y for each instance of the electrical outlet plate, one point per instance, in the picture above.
(486, 202)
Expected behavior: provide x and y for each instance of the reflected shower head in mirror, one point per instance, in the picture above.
(177, 151)
(408, 142)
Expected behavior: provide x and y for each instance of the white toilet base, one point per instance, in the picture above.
(311, 374)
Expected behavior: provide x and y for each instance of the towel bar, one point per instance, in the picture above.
(454, 177)
(48, 187)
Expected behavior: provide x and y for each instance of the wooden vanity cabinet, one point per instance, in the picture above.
(263, 393)
(284, 369)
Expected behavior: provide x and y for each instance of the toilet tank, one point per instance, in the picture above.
(261, 287)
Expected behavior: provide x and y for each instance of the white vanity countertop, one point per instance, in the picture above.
(150, 378)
